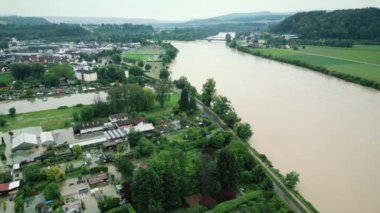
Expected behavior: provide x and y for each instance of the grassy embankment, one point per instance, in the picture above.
(149, 55)
(63, 118)
(360, 64)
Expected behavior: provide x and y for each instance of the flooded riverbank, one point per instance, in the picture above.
(322, 127)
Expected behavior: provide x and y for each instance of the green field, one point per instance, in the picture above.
(61, 118)
(155, 70)
(47, 119)
(147, 53)
(360, 61)
(5, 77)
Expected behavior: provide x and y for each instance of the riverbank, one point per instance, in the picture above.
(292, 197)
(348, 70)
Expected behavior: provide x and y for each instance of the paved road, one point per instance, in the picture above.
(279, 186)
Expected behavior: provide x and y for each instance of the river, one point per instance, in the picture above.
(38, 104)
(324, 128)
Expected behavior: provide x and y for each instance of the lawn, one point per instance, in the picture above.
(48, 119)
(61, 118)
(5, 77)
(158, 112)
(155, 71)
(360, 61)
(147, 53)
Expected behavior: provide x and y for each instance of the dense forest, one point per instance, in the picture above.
(18, 20)
(47, 31)
(356, 24)
(117, 33)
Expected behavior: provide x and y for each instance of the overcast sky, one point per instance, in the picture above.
(168, 9)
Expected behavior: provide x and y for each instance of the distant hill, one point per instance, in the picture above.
(18, 20)
(101, 20)
(357, 24)
(257, 17)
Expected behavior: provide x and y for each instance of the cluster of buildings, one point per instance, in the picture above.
(114, 131)
(266, 40)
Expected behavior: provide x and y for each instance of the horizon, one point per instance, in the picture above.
(167, 10)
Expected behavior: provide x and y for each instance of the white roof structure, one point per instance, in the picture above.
(46, 137)
(16, 166)
(14, 185)
(24, 140)
(141, 127)
(92, 141)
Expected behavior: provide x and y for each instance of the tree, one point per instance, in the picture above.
(243, 131)
(292, 179)
(148, 99)
(183, 102)
(108, 203)
(3, 122)
(208, 92)
(207, 175)
(134, 137)
(51, 191)
(221, 106)
(145, 147)
(2, 141)
(54, 173)
(33, 173)
(148, 67)
(163, 92)
(228, 169)
(164, 74)
(77, 150)
(124, 166)
(146, 187)
(140, 63)
(62, 71)
(228, 38)
(126, 191)
(231, 118)
(10, 133)
(12, 112)
(136, 71)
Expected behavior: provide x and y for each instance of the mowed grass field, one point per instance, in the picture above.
(5, 77)
(360, 61)
(62, 118)
(146, 53)
(47, 119)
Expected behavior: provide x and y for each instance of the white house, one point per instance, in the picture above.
(24, 141)
(118, 117)
(86, 75)
(47, 138)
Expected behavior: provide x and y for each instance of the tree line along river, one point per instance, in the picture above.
(324, 128)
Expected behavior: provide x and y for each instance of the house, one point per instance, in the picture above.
(88, 127)
(118, 117)
(72, 207)
(24, 141)
(46, 138)
(86, 75)
(128, 123)
(100, 179)
(9, 187)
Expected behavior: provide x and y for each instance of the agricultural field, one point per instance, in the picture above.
(146, 53)
(360, 61)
